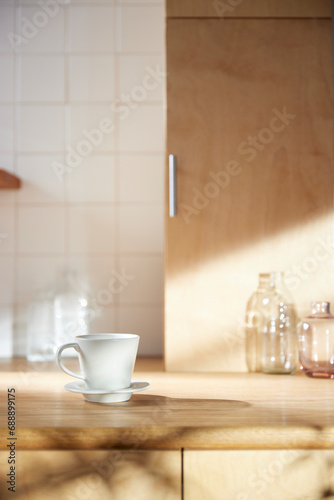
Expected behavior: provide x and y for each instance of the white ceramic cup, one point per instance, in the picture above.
(106, 359)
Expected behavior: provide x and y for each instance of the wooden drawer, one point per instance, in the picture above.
(254, 475)
(94, 475)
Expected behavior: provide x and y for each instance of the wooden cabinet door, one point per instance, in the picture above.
(253, 475)
(248, 8)
(92, 475)
(249, 117)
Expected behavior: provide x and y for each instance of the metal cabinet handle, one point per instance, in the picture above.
(172, 186)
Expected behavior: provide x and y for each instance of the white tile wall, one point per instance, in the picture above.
(142, 128)
(41, 128)
(40, 32)
(91, 229)
(7, 78)
(6, 128)
(92, 28)
(95, 270)
(83, 83)
(7, 280)
(36, 273)
(6, 329)
(41, 78)
(81, 123)
(93, 181)
(105, 322)
(7, 27)
(147, 322)
(7, 225)
(135, 170)
(85, 132)
(41, 229)
(38, 179)
(7, 196)
(140, 228)
(146, 287)
(134, 72)
(139, 28)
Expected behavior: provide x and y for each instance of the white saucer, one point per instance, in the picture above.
(101, 396)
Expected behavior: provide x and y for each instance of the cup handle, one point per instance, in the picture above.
(60, 361)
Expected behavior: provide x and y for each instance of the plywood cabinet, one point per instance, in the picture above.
(171, 475)
(250, 475)
(249, 117)
(92, 475)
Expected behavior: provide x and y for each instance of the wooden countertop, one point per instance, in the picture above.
(180, 410)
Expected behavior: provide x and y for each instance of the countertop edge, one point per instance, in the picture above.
(173, 438)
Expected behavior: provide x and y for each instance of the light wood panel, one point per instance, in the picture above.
(153, 364)
(192, 410)
(255, 188)
(248, 8)
(92, 475)
(248, 475)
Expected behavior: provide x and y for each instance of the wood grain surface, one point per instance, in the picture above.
(180, 410)
(255, 189)
(249, 475)
(94, 475)
(249, 8)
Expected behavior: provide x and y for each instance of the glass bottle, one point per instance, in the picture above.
(71, 310)
(40, 337)
(271, 327)
(316, 342)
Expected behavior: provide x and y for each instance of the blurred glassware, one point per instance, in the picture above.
(271, 327)
(316, 342)
(40, 335)
(71, 309)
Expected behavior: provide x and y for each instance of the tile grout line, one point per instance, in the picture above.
(90, 103)
(117, 170)
(16, 146)
(66, 180)
(86, 53)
